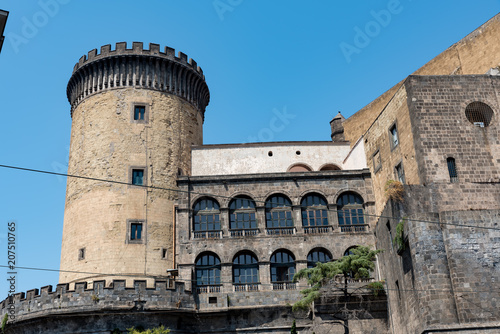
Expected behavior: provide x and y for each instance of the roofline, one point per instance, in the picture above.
(268, 144)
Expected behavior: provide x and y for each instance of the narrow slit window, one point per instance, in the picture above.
(400, 173)
(452, 170)
(393, 131)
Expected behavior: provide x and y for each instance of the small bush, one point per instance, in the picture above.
(156, 330)
(394, 190)
(376, 287)
(399, 239)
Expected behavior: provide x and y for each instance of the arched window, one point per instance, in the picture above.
(206, 219)
(207, 270)
(479, 114)
(298, 168)
(282, 266)
(314, 214)
(329, 167)
(318, 255)
(245, 268)
(350, 213)
(452, 170)
(278, 214)
(242, 217)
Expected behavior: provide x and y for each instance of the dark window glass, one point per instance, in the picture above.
(314, 211)
(135, 231)
(206, 215)
(282, 266)
(245, 268)
(452, 170)
(318, 255)
(350, 209)
(208, 269)
(139, 112)
(400, 173)
(138, 177)
(278, 212)
(242, 214)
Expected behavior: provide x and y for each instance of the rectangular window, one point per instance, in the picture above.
(377, 161)
(138, 177)
(139, 113)
(400, 173)
(136, 231)
(452, 170)
(393, 132)
(81, 254)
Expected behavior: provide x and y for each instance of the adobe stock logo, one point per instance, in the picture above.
(372, 29)
(277, 123)
(31, 26)
(223, 6)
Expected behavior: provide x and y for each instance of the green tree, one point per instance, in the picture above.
(156, 330)
(357, 264)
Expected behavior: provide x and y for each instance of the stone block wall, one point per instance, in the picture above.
(330, 184)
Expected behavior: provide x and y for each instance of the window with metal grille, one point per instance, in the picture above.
(206, 215)
(479, 114)
(278, 212)
(350, 210)
(282, 266)
(208, 269)
(245, 268)
(452, 170)
(318, 255)
(314, 210)
(242, 214)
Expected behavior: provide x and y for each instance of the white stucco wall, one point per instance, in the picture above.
(231, 159)
(356, 159)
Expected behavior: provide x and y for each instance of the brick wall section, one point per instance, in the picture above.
(437, 109)
(474, 54)
(474, 255)
(105, 144)
(378, 138)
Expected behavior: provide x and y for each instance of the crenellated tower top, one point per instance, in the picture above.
(138, 67)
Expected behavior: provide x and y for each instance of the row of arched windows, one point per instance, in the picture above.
(245, 266)
(278, 214)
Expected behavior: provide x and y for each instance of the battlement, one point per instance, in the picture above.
(166, 295)
(137, 49)
(140, 68)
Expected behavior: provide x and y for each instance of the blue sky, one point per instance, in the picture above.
(261, 59)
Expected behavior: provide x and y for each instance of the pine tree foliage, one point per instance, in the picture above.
(357, 264)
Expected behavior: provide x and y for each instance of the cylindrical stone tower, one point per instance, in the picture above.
(135, 115)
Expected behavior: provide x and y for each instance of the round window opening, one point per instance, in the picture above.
(479, 114)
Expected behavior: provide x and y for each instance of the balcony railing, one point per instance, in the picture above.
(280, 230)
(354, 228)
(284, 286)
(207, 234)
(209, 289)
(244, 232)
(317, 229)
(246, 287)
